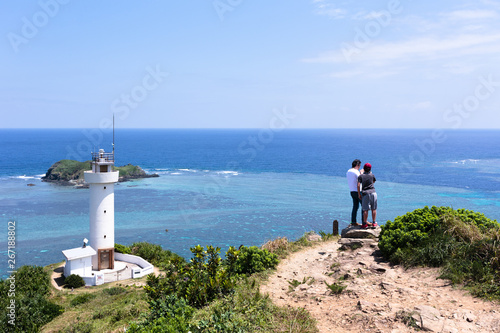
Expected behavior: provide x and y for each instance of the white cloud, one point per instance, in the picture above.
(417, 49)
(459, 42)
(471, 15)
(369, 16)
(324, 7)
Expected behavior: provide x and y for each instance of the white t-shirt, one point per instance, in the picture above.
(352, 179)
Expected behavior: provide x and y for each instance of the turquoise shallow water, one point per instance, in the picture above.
(214, 189)
(206, 207)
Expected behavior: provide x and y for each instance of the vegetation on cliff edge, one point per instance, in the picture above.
(465, 244)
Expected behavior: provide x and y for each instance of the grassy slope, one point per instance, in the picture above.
(70, 169)
(103, 312)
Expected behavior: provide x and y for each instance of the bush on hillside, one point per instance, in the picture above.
(82, 299)
(170, 314)
(114, 291)
(416, 228)
(154, 253)
(123, 249)
(74, 281)
(199, 282)
(32, 307)
(464, 243)
(253, 260)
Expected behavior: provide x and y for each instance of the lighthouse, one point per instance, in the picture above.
(101, 180)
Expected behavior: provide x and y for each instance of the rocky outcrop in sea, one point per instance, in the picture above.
(70, 173)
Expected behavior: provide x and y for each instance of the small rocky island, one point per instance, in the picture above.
(70, 172)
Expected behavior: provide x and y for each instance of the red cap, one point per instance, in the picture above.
(368, 165)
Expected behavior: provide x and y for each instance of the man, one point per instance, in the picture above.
(352, 181)
(368, 196)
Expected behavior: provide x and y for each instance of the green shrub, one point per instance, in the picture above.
(74, 281)
(32, 281)
(123, 249)
(325, 236)
(252, 260)
(33, 309)
(247, 310)
(464, 243)
(82, 299)
(205, 295)
(414, 228)
(336, 288)
(199, 282)
(170, 314)
(114, 291)
(154, 253)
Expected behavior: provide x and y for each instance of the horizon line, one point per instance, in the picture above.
(249, 128)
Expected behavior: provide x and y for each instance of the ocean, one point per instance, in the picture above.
(226, 187)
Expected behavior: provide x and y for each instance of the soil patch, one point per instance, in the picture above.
(378, 297)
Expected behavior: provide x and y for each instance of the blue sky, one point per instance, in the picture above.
(238, 63)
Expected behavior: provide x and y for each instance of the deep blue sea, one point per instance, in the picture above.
(233, 187)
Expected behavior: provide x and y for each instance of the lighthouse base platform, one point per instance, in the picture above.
(126, 266)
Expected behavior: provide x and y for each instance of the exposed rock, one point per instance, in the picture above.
(313, 237)
(356, 232)
(387, 285)
(354, 243)
(368, 307)
(377, 268)
(428, 318)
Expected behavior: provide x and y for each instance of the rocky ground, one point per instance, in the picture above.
(377, 297)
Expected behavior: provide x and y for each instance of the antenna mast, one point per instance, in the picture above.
(113, 136)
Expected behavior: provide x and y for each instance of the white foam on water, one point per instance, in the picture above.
(23, 177)
(228, 173)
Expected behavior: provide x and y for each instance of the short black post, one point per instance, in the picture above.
(335, 227)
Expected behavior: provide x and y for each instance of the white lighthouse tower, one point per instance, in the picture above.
(101, 180)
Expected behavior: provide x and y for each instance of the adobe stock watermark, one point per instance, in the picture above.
(224, 6)
(453, 116)
(121, 107)
(31, 26)
(364, 36)
(248, 149)
(11, 269)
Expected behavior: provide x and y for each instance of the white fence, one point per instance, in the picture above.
(145, 267)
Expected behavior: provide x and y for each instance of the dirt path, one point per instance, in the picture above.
(377, 297)
(57, 278)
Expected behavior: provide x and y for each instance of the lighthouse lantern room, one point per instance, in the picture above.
(101, 180)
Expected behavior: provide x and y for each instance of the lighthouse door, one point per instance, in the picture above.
(105, 260)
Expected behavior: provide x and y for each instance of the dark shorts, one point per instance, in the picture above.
(369, 201)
